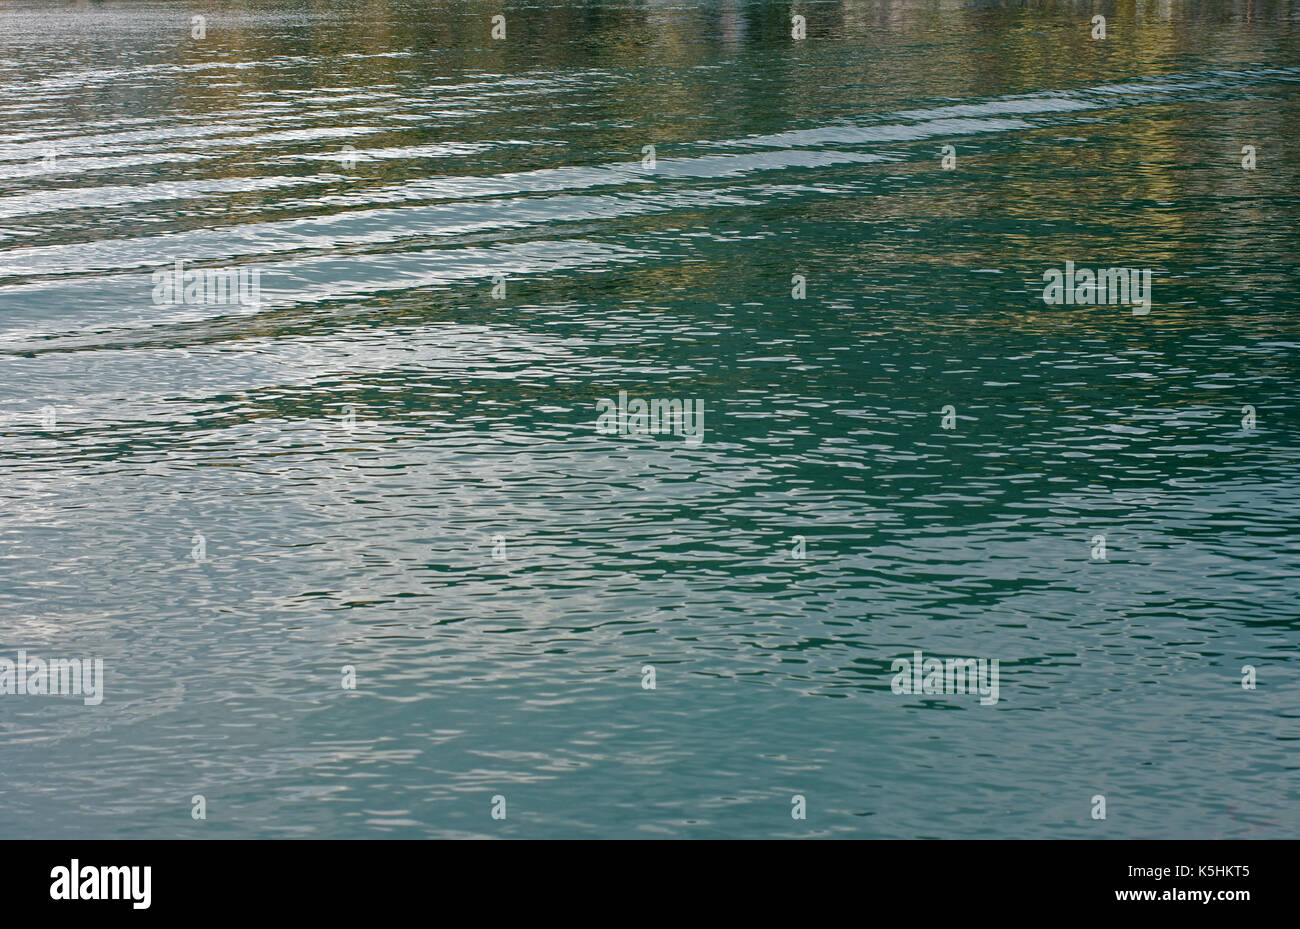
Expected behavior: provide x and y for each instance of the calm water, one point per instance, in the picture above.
(229, 504)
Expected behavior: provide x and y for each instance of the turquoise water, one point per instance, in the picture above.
(391, 461)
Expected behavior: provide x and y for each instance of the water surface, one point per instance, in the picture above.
(348, 449)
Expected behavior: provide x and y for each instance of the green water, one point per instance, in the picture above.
(391, 462)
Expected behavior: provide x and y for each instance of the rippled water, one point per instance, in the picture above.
(229, 504)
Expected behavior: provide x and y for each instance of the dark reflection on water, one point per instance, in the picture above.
(369, 544)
